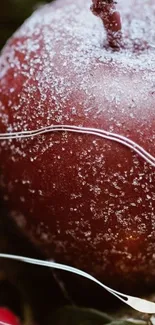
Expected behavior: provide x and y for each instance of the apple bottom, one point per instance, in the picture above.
(85, 202)
(75, 288)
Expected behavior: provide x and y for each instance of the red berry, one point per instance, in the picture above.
(7, 317)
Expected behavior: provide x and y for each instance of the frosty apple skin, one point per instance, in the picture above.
(82, 200)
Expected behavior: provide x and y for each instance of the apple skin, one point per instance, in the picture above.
(82, 199)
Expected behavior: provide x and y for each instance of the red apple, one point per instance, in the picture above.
(83, 199)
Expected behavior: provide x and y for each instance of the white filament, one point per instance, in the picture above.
(138, 304)
(84, 130)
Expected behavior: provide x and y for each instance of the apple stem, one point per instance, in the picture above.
(106, 10)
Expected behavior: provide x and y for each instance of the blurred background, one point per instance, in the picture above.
(12, 15)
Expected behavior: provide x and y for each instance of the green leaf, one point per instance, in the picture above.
(80, 316)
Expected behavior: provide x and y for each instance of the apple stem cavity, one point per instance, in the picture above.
(106, 10)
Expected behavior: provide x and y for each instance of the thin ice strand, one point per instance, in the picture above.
(138, 304)
(83, 130)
